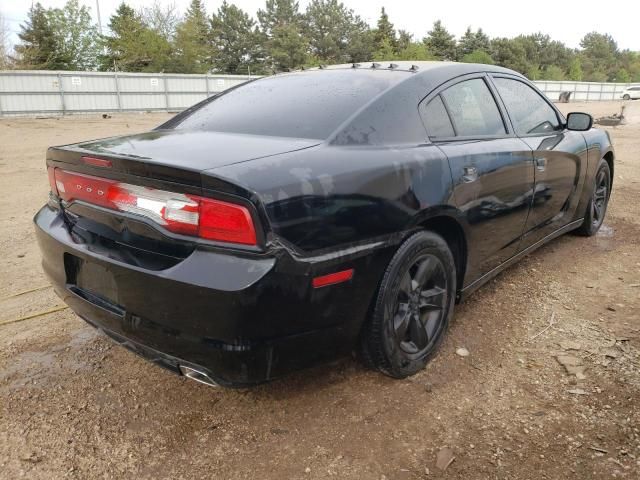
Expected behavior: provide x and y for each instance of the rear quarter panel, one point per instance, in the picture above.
(332, 196)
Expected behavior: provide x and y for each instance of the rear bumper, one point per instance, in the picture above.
(242, 319)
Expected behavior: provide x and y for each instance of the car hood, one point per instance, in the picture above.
(194, 150)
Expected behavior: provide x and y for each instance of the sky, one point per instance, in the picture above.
(567, 21)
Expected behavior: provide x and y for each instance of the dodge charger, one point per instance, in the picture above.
(300, 217)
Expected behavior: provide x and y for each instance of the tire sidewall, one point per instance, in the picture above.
(592, 229)
(415, 246)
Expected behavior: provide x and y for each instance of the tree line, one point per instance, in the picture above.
(283, 38)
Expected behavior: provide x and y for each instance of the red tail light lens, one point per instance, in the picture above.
(177, 212)
(226, 222)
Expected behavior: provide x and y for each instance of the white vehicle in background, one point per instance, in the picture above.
(631, 93)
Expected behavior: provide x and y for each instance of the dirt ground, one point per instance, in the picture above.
(73, 405)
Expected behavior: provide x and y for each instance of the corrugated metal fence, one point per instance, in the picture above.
(46, 92)
(583, 91)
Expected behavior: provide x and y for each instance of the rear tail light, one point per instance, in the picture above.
(177, 212)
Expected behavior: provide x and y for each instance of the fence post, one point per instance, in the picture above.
(0, 104)
(61, 89)
(206, 81)
(115, 76)
(166, 91)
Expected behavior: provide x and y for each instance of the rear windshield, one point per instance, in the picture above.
(302, 105)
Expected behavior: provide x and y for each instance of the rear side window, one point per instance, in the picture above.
(436, 119)
(529, 112)
(473, 109)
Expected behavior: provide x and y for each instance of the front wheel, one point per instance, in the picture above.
(626, 97)
(413, 306)
(597, 206)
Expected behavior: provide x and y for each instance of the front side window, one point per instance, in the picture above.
(529, 113)
(473, 109)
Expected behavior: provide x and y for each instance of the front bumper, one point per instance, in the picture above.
(241, 318)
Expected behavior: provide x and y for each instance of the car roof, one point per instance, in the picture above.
(392, 118)
(420, 67)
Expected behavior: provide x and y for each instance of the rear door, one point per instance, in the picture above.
(559, 156)
(492, 169)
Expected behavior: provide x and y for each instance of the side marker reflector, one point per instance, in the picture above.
(333, 278)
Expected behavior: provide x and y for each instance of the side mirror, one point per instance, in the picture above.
(579, 121)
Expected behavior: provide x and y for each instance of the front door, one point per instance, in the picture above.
(559, 156)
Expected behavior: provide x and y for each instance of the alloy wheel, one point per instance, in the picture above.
(420, 306)
(599, 200)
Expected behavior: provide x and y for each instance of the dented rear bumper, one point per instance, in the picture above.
(242, 318)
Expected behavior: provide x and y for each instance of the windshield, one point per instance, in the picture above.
(301, 105)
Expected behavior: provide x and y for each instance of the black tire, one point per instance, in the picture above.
(626, 97)
(412, 308)
(597, 206)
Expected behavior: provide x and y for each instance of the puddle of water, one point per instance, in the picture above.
(40, 367)
(605, 232)
(604, 238)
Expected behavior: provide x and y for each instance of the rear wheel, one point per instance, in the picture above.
(413, 306)
(597, 206)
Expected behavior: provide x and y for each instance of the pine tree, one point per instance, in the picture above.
(575, 70)
(38, 48)
(415, 51)
(235, 40)
(332, 28)
(483, 42)
(385, 51)
(278, 13)
(360, 41)
(404, 40)
(477, 56)
(600, 54)
(132, 46)
(553, 72)
(440, 42)
(281, 28)
(510, 54)
(193, 51)
(622, 76)
(385, 32)
(473, 41)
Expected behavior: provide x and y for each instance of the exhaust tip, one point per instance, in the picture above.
(197, 376)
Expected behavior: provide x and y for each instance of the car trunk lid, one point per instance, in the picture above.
(176, 156)
(148, 191)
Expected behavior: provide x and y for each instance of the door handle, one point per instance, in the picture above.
(541, 164)
(469, 174)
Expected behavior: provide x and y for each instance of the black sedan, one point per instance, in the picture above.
(296, 217)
